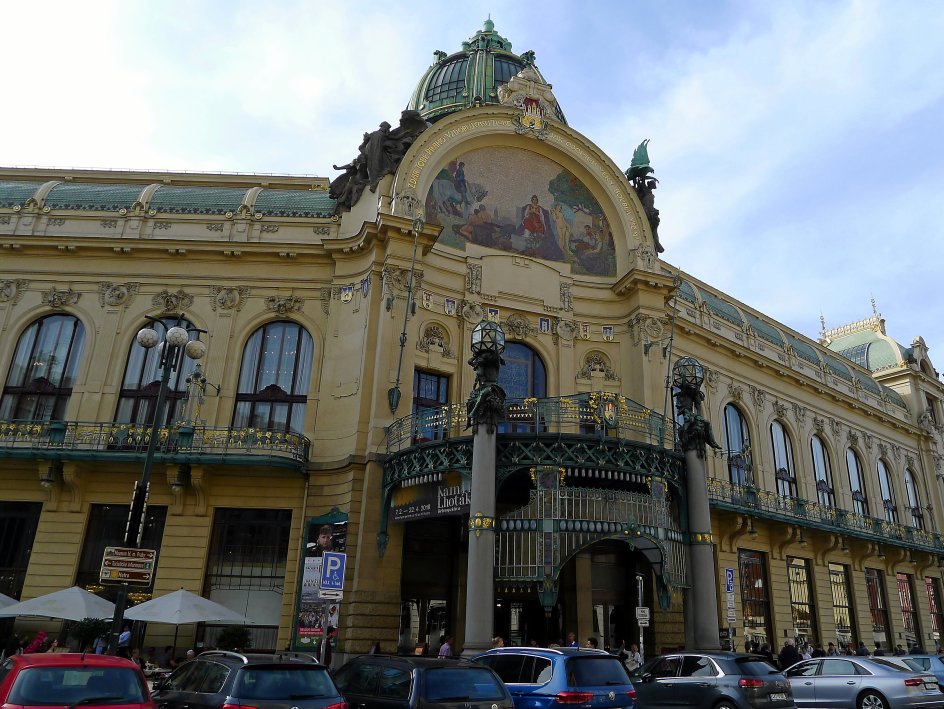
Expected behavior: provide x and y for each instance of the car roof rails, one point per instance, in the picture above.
(287, 656)
(224, 653)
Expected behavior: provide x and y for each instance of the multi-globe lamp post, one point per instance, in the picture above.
(176, 345)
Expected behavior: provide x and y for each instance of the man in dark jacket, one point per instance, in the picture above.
(863, 651)
(788, 655)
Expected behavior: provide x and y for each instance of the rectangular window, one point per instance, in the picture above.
(933, 587)
(878, 608)
(18, 522)
(106, 528)
(430, 395)
(843, 610)
(909, 614)
(246, 568)
(755, 597)
(801, 598)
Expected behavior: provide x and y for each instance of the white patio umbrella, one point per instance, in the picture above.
(5, 600)
(182, 607)
(69, 604)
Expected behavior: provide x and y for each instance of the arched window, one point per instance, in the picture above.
(860, 505)
(914, 500)
(142, 380)
(888, 493)
(522, 376)
(823, 473)
(783, 460)
(42, 373)
(737, 440)
(274, 378)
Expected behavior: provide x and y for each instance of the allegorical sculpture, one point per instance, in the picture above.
(640, 176)
(379, 154)
(695, 432)
(486, 403)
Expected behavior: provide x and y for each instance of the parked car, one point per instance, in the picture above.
(863, 682)
(217, 678)
(711, 680)
(412, 682)
(70, 679)
(926, 663)
(540, 678)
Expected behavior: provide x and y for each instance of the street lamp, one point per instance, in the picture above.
(176, 344)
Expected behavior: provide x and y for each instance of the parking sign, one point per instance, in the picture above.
(332, 571)
(729, 580)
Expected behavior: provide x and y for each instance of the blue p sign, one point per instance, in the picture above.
(332, 571)
(729, 580)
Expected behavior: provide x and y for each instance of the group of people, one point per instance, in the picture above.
(790, 654)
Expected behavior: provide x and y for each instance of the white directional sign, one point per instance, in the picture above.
(642, 613)
(642, 622)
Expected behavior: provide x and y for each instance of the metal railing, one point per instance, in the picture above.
(769, 504)
(595, 413)
(76, 439)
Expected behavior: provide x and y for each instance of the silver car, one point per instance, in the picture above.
(863, 682)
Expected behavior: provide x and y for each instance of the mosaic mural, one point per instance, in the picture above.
(523, 203)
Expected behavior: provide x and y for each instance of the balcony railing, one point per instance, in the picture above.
(595, 413)
(77, 440)
(768, 504)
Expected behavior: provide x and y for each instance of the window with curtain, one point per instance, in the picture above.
(274, 378)
(42, 373)
(755, 595)
(142, 380)
(737, 440)
(914, 500)
(860, 505)
(523, 375)
(783, 460)
(802, 605)
(888, 493)
(822, 472)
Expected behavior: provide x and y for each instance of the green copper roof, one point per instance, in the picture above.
(197, 200)
(723, 310)
(14, 193)
(686, 292)
(294, 203)
(894, 396)
(803, 350)
(837, 368)
(470, 76)
(868, 383)
(765, 331)
(99, 197)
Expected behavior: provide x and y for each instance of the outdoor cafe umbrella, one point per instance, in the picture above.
(68, 604)
(5, 600)
(183, 607)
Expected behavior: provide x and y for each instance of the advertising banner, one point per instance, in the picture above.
(450, 496)
(323, 534)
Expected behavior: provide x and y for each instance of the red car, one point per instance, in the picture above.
(71, 679)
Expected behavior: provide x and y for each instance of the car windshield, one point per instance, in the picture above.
(457, 684)
(89, 685)
(599, 671)
(302, 682)
(754, 667)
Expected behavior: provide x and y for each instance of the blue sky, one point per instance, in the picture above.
(799, 145)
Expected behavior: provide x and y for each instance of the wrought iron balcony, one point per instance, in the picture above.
(769, 505)
(601, 414)
(76, 440)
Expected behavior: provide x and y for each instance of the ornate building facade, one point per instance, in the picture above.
(332, 400)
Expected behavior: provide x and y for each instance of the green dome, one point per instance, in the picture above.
(471, 76)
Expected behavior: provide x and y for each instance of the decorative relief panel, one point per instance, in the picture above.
(471, 312)
(566, 298)
(819, 424)
(735, 392)
(758, 396)
(853, 438)
(835, 426)
(116, 294)
(407, 204)
(644, 257)
(228, 297)
(597, 362)
(565, 329)
(12, 291)
(397, 279)
(780, 409)
(326, 300)
(799, 413)
(646, 329)
(520, 326)
(473, 278)
(60, 298)
(867, 439)
(172, 302)
(435, 336)
(283, 304)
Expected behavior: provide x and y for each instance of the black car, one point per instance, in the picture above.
(217, 678)
(411, 682)
(711, 680)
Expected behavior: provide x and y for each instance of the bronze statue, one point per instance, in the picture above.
(379, 154)
(639, 175)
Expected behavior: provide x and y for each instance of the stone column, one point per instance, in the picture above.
(694, 435)
(486, 406)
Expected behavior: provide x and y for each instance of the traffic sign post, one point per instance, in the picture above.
(331, 589)
(730, 608)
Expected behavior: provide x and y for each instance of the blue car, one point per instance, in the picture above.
(548, 678)
(926, 663)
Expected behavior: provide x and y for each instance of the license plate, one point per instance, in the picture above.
(778, 697)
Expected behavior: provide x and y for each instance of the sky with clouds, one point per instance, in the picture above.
(799, 145)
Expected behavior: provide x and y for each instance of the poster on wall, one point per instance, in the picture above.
(327, 533)
(449, 496)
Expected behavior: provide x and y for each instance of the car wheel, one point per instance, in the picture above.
(872, 700)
